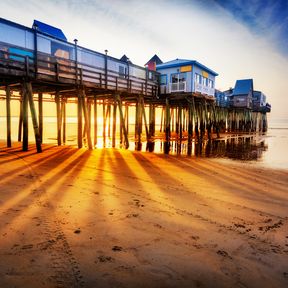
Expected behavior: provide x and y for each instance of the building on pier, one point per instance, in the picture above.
(181, 75)
(243, 95)
(153, 62)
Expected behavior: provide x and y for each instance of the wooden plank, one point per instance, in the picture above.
(8, 116)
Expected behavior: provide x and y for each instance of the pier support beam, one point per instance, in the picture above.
(25, 119)
(86, 117)
(95, 122)
(20, 124)
(167, 127)
(104, 123)
(8, 116)
(40, 115)
(59, 118)
(79, 121)
(114, 123)
(144, 117)
(29, 95)
(63, 113)
(122, 121)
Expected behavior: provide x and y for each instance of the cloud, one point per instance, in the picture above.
(264, 18)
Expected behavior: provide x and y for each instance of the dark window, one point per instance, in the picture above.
(122, 71)
(163, 79)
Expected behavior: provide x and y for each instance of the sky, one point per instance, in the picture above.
(238, 39)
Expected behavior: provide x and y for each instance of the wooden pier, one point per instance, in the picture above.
(27, 75)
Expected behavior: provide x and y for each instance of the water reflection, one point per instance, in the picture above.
(234, 147)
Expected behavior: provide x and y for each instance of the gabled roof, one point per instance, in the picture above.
(243, 87)
(183, 62)
(50, 30)
(155, 59)
(124, 58)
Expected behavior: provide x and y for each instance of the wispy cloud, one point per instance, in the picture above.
(265, 18)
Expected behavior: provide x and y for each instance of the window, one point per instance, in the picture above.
(210, 83)
(61, 50)
(205, 81)
(163, 79)
(122, 71)
(178, 77)
(198, 78)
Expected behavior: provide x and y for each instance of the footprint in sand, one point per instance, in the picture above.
(117, 249)
(224, 254)
(104, 259)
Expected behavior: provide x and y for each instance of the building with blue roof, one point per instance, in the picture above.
(186, 76)
(243, 93)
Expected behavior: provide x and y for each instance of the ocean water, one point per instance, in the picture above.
(268, 150)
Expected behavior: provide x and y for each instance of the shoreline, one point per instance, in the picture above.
(116, 218)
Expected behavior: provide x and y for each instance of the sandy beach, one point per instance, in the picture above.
(116, 218)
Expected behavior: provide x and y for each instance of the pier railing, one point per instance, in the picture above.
(59, 70)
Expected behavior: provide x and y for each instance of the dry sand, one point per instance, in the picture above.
(114, 218)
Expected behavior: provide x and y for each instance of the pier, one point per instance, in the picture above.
(34, 64)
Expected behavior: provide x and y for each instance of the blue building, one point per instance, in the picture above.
(242, 94)
(186, 76)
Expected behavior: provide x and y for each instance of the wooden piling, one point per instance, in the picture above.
(180, 122)
(63, 113)
(114, 123)
(79, 120)
(29, 93)
(167, 127)
(86, 118)
(25, 119)
(95, 122)
(59, 118)
(8, 116)
(190, 124)
(40, 115)
(104, 123)
(144, 118)
(119, 102)
(126, 117)
(20, 123)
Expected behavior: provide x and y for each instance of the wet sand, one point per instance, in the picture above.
(116, 218)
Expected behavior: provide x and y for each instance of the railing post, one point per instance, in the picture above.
(35, 28)
(76, 61)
